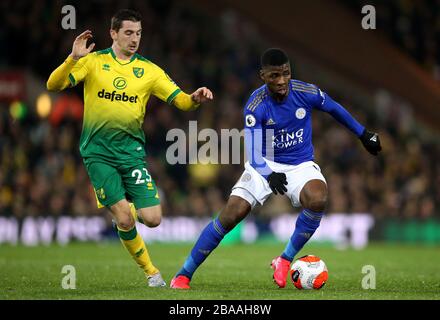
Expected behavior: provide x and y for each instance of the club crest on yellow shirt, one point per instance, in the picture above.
(138, 72)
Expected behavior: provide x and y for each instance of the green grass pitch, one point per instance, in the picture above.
(233, 272)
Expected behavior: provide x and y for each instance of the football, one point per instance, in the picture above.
(309, 272)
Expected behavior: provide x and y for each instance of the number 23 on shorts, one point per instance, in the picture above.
(143, 177)
(137, 173)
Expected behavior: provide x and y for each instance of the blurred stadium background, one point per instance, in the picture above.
(389, 78)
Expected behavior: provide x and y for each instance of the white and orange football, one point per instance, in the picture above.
(309, 272)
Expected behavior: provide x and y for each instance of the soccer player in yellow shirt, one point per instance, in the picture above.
(117, 85)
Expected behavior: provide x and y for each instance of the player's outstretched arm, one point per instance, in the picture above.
(189, 102)
(59, 78)
(370, 140)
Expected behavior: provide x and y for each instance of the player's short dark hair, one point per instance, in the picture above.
(274, 57)
(123, 15)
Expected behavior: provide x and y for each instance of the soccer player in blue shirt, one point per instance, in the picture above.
(278, 140)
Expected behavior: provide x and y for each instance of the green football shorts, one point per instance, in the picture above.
(130, 181)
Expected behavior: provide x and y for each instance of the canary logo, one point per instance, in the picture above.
(138, 72)
(113, 96)
(100, 193)
(139, 253)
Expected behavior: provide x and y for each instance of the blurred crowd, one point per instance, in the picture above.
(414, 26)
(41, 171)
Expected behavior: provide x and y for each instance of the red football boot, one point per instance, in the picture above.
(281, 268)
(180, 282)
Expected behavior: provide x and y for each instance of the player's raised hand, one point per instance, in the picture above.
(371, 142)
(79, 48)
(202, 95)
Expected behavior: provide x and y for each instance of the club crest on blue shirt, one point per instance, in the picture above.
(138, 72)
(300, 113)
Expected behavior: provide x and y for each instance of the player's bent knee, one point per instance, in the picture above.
(121, 213)
(152, 216)
(126, 222)
(314, 196)
(317, 205)
(153, 221)
(316, 202)
(239, 205)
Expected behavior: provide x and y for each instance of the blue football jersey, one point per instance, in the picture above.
(282, 131)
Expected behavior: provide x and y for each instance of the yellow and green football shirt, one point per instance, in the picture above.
(116, 93)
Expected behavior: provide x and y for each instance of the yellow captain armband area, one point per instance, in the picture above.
(59, 78)
(184, 102)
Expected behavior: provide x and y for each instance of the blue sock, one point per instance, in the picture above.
(306, 225)
(208, 240)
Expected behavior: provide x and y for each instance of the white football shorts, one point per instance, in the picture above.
(255, 189)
